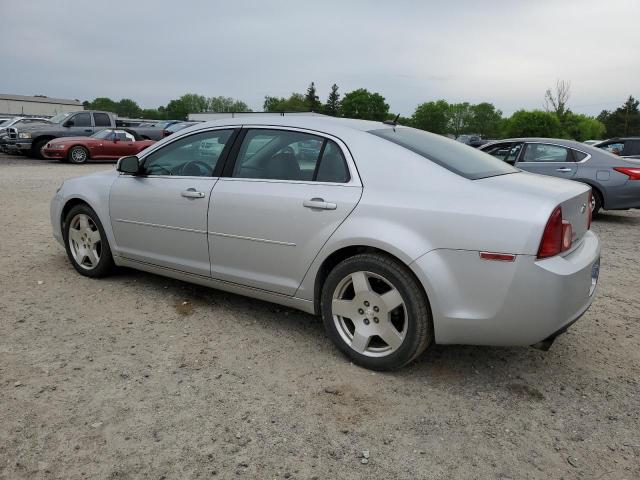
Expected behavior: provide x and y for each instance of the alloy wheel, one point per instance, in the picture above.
(369, 314)
(79, 155)
(85, 242)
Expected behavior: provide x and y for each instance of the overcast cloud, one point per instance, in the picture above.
(505, 52)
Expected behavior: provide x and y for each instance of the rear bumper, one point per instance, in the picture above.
(524, 302)
(624, 196)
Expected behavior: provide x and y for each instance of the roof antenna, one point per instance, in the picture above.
(393, 122)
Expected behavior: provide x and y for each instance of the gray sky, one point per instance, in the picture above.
(504, 52)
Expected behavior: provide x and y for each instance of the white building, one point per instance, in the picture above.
(38, 105)
(208, 116)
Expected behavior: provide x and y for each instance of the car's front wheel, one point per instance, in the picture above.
(86, 242)
(78, 154)
(375, 311)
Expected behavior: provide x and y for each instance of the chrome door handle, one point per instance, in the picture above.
(192, 193)
(563, 169)
(319, 203)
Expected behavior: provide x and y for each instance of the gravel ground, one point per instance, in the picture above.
(120, 378)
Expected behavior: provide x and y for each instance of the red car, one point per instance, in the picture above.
(109, 144)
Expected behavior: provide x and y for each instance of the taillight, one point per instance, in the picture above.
(557, 236)
(632, 173)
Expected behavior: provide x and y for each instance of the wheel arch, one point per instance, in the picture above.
(66, 208)
(599, 190)
(337, 256)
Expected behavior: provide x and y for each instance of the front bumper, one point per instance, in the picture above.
(16, 146)
(52, 153)
(481, 302)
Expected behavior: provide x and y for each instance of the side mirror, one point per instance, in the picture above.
(116, 139)
(69, 123)
(129, 165)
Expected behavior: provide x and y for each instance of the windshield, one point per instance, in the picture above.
(456, 157)
(4, 123)
(59, 118)
(102, 134)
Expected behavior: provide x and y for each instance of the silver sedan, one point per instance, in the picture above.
(397, 237)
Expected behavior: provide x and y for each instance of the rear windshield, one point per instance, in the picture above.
(454, 156)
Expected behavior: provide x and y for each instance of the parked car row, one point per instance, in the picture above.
(31, 136)
(615, 181)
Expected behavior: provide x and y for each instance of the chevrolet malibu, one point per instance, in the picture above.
(397, 237)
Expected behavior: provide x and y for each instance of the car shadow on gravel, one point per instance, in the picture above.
(612, 218)
(448, 364)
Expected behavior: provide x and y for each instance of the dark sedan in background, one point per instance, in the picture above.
(626, 147)
(615, 181)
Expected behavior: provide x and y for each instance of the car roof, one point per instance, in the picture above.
(617, 139)
(321, 123)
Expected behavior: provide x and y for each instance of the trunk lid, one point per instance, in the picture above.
(572, 197)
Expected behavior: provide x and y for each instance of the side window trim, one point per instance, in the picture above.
(232, 158)
(319, 160)
(217, 171)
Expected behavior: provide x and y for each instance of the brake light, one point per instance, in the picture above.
(557, 235)
(632, 173)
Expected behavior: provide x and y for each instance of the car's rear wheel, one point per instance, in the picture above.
(596, 202)
(86, 242)
(375, 311)
(78, 154)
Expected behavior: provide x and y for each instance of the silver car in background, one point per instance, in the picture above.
(615, 181)
(397, 237)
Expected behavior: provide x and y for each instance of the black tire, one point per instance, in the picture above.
(597, 203)
(78, 155)
(37, 146)
(105, 264)
(419, 324)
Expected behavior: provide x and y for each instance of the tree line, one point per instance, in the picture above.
(556, 120)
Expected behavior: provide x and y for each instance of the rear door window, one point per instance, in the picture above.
(101, 120)
(290, 155)
(542, 152)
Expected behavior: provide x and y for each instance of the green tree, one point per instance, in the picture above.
(103, 103)
(460, 115)
(226, 104)
(186, 104)
(432, 116)
(365, 105)
(485, 120)
(333, 102)
(581, 127)
(152, 114)
(624, 121)
(295, 103)
(128, 108)
(312, 99)
(534, 123)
